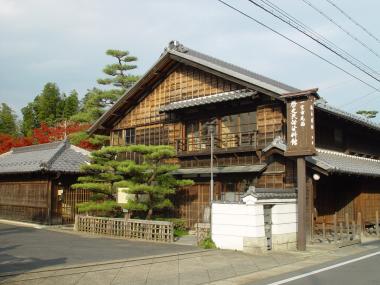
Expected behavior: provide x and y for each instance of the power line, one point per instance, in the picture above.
(283, 12)
(341, 27)
(365, 103)
(358, 99)
(315, 34)
(354, 21)
(290, 23)
(297, 44)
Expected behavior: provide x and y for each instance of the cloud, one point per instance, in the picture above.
(65, 41)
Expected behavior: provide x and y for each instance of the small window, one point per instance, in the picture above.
(130, 136)
(117, 138)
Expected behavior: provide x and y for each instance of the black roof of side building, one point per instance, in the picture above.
(179, 53)
(53, 157)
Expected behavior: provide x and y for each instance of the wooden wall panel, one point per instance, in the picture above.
(193, 200)
(183, 83)
(269, 123)
(30, 194)
(24, 200)
(279, 174)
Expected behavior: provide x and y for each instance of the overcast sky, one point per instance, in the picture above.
(64, 42)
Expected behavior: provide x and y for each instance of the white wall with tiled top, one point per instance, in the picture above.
(240, 226)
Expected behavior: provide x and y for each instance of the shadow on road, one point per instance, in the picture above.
(11, 265)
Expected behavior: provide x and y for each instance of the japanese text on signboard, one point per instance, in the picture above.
(300, 125)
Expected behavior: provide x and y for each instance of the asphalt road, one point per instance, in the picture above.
(363, 269)
(24, 248)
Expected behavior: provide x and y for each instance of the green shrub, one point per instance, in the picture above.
(207, 243)
(180, 233)
(179, 226)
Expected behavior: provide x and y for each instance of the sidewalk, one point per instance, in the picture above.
(216, 267)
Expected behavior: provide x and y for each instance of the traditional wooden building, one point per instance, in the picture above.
(187, 92)
(35, 182)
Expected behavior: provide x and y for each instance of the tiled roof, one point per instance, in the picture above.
(338, 162)
(198, 57)
(222, 169)
(52, 157)
(216, 98)
(264, 193)
(270, 193)
(322, 104)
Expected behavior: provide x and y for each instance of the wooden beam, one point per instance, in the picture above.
(301, 204)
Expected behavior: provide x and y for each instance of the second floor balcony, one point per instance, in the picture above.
(222, 143)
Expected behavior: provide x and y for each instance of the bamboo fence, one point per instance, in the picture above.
(159, 231)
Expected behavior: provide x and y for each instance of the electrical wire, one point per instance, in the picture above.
(321, 37)
(354, 21)
(314, 39)
(341, 27)
(297, 44)
(358, 99)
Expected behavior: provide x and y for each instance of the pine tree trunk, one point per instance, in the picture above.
(149, 215)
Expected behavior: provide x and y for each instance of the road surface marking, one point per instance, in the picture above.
(284, 281)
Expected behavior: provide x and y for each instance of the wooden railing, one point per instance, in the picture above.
(221, 141)
(160, 231)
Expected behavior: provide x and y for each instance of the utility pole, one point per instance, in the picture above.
(211, 131)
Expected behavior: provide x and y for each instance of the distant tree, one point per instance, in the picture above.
(7, 120)
(368, 114)
(47, 104)
(96, 100)
(94, 103)
(29, 120)
(71, 105)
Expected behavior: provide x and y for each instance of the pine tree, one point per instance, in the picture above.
(7, 120)
(150, 182)
(96, 100)
(94, 103)
(368, 114)
(117, 71)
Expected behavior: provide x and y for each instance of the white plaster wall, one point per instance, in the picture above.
(231, 223)
(284, 218)
(241, 226)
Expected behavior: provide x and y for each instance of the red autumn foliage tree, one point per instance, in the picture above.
(45, 134)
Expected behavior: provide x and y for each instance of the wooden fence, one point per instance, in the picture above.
(341, 231)
(160, 231)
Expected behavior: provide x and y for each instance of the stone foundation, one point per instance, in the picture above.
(255, 245)
(284, 241)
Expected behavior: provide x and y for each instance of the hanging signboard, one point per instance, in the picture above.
(300, 123)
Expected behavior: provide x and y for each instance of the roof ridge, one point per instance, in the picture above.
(63, 146)
(35, 147)
(328, 151)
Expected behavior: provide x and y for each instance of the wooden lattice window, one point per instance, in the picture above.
(130, 136)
